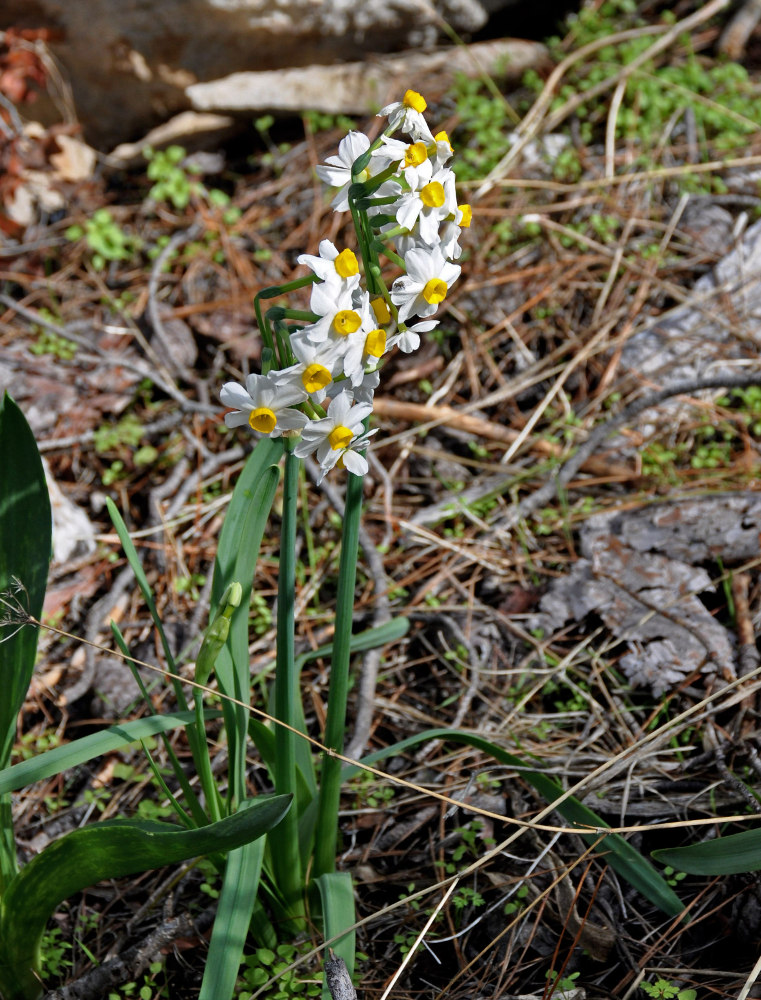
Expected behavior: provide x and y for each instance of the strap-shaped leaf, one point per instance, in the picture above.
(236, 904)
(60, 759)
(619, 853)
(111, 849)
(25, 541)
(732, 855)
(337, 898)
(237, 553)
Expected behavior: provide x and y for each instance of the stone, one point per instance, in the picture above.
(362, 88)
(130, 61)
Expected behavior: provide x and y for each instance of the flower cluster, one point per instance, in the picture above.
(402, 197)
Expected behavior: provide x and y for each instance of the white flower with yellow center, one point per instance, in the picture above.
(404, 154)
(449, 233)
(407, 116)
(424, 287)
(342, 313)
(316, 367)
(264, 405)
(442, 154)
(429, 201)
(335, 268)
(336, 436)
(364, 352)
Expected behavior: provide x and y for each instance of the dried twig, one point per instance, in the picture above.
(129, 966)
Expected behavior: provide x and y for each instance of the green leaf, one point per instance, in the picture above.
(62, 758)
(25, 544)
(732, 855)
(237, 553)
(236, 904)
(337, 897)
(145, 589)
(110, 849)
(618, 853)
(371, 638)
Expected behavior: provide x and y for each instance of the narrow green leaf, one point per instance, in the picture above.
(145, 589)
(286, 696)
(62, 758)
(263, 736)
(326, 828)
(236, 903)
(618, 853)
(237, 553)
(110, 849)
(337, 898)
(733, 855)
(371, 638)
(199, 816)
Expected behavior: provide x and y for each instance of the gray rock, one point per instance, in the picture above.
(129, 61)
(361, 87)
(641, 574)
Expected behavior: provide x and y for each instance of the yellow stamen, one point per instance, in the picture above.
(316, 377)
(467, 216)
(414, 100)
(443, 137)
(415, 155)
(340, 437)
(435, 291)
(375, 344)
(347, 321)
(263, 420)
(380, 308)
(432, 195)
(346, 264)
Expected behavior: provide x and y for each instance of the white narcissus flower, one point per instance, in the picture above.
(404, 154)
(429, 277)
(336, 171)
(365, 349)
(316, 367)
(443, 152)
(332, 267)
(449, 234)
(408, 339)
(334, 437)
(407, 116)
(341, 314)
(264, 405)
(429, 201)
(330, 303)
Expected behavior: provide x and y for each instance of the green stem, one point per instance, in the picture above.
(335, 723)
(272, 293)
(211, 794)
(284, 839)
